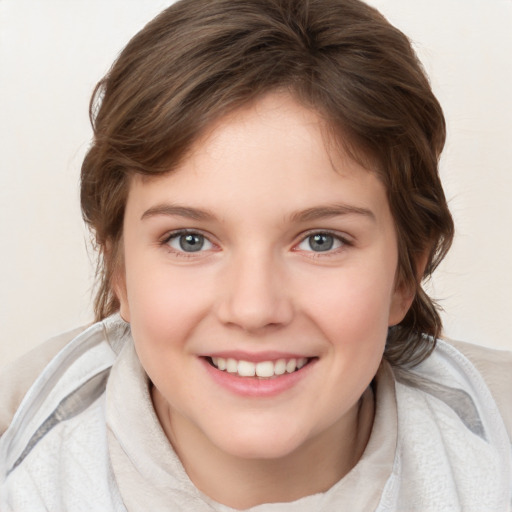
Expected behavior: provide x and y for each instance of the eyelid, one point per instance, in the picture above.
(164, 241)
(344, 239)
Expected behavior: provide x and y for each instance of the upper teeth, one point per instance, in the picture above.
(261, 369)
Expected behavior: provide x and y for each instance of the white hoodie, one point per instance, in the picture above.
(86, 437)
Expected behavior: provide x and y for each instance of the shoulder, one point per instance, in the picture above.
(68, 386)
(495, 366)
(454, 428)
(68, 469)
(17, 377)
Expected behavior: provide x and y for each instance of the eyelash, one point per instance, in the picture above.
(344, 242)
(181, 232)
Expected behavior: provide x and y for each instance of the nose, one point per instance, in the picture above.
(255, 296)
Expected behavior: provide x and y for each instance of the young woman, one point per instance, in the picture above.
(264, 191)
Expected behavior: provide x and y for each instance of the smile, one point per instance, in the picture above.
(262, 369)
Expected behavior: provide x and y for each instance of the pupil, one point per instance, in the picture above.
(191, 243)
(321, 242)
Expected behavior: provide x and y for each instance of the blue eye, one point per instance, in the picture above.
(320, 242)
(189, 242)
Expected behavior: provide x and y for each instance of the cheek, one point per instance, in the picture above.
(165, 313)
(353, 307)
(165, 304)
(353, 297)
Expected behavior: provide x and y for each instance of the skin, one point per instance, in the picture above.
(265, 182)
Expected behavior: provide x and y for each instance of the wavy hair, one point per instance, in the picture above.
(200, 59)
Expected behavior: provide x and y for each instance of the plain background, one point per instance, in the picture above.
(52, 52)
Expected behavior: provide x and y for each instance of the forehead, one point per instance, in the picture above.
(280, 117)
(274, 150)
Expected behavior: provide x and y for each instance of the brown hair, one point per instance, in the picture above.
(200, 59)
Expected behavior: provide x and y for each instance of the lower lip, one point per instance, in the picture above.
(254, 386)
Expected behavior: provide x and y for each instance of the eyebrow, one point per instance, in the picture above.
(315, 213)
(178, 211)
(324, 212)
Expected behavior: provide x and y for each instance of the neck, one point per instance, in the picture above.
(242, 483)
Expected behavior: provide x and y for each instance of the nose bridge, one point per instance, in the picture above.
(256, 294)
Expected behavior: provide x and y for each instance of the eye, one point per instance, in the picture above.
(320, 242)
(189, 242)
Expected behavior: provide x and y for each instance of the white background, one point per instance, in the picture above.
(52, 52)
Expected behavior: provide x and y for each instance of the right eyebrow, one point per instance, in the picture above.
(173, 210)
(323, 212)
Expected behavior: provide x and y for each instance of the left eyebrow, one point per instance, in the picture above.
(323, 212)
(178, 211)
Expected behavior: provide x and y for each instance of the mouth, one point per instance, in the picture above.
(262, 370)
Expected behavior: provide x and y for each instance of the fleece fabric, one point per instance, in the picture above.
(85, 437)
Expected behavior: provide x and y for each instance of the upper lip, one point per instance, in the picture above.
(256, 357)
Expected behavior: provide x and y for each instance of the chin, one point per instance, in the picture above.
(265, 445)
(250, 451)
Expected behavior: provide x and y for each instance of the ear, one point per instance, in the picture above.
(401, 301)
(403, 295)
(118, 278)
(119, 287)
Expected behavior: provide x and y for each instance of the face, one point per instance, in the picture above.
(259, 282)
